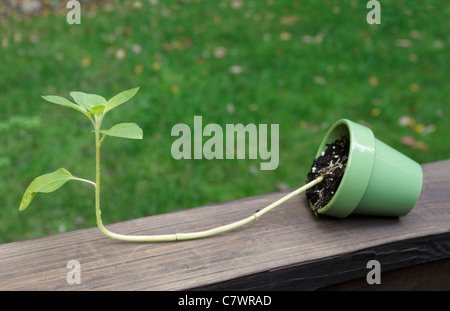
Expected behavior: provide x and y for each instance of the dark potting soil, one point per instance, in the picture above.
(331, 163)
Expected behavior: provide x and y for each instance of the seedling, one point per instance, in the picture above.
(95, 108)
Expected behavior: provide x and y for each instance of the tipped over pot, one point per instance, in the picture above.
(375, 179)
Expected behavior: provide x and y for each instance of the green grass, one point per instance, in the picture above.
(303, 65)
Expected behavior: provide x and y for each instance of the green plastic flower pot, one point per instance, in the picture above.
(378, 180)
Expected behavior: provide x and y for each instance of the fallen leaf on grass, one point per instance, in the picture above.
(406, 121)
(230, 108)
(220, 52)
(85, 62)
(120, 53)
(237, 4)
(403, 43)
(156, 66)
(236, 69)
(414, 87)
(289, 20)
(413, 143)
(375, 112)
(285, 36)
(138, 69)
(319, 80)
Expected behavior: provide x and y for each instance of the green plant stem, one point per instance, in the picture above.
(184, 236)
(175, 236)
(97, 176)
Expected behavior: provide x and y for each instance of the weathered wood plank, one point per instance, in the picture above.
(430, 276)
(286, 248)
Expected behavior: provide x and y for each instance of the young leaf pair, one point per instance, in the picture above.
(94, 107)
(92, 104)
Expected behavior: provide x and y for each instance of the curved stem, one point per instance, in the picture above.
(178, 236)
(206, 233)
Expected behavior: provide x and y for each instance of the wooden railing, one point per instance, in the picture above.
(286, 249)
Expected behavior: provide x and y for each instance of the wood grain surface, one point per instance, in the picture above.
(288, 248)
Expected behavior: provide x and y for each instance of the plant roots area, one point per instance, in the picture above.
(331, 165)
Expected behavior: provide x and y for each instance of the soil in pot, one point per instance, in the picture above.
(331, 164)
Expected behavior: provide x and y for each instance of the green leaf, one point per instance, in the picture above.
(125, 130)
(64, 102)
(45, 183)
(120, 98)
(88, 101)
(98, 110)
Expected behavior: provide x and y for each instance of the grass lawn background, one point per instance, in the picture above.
(300, 64)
